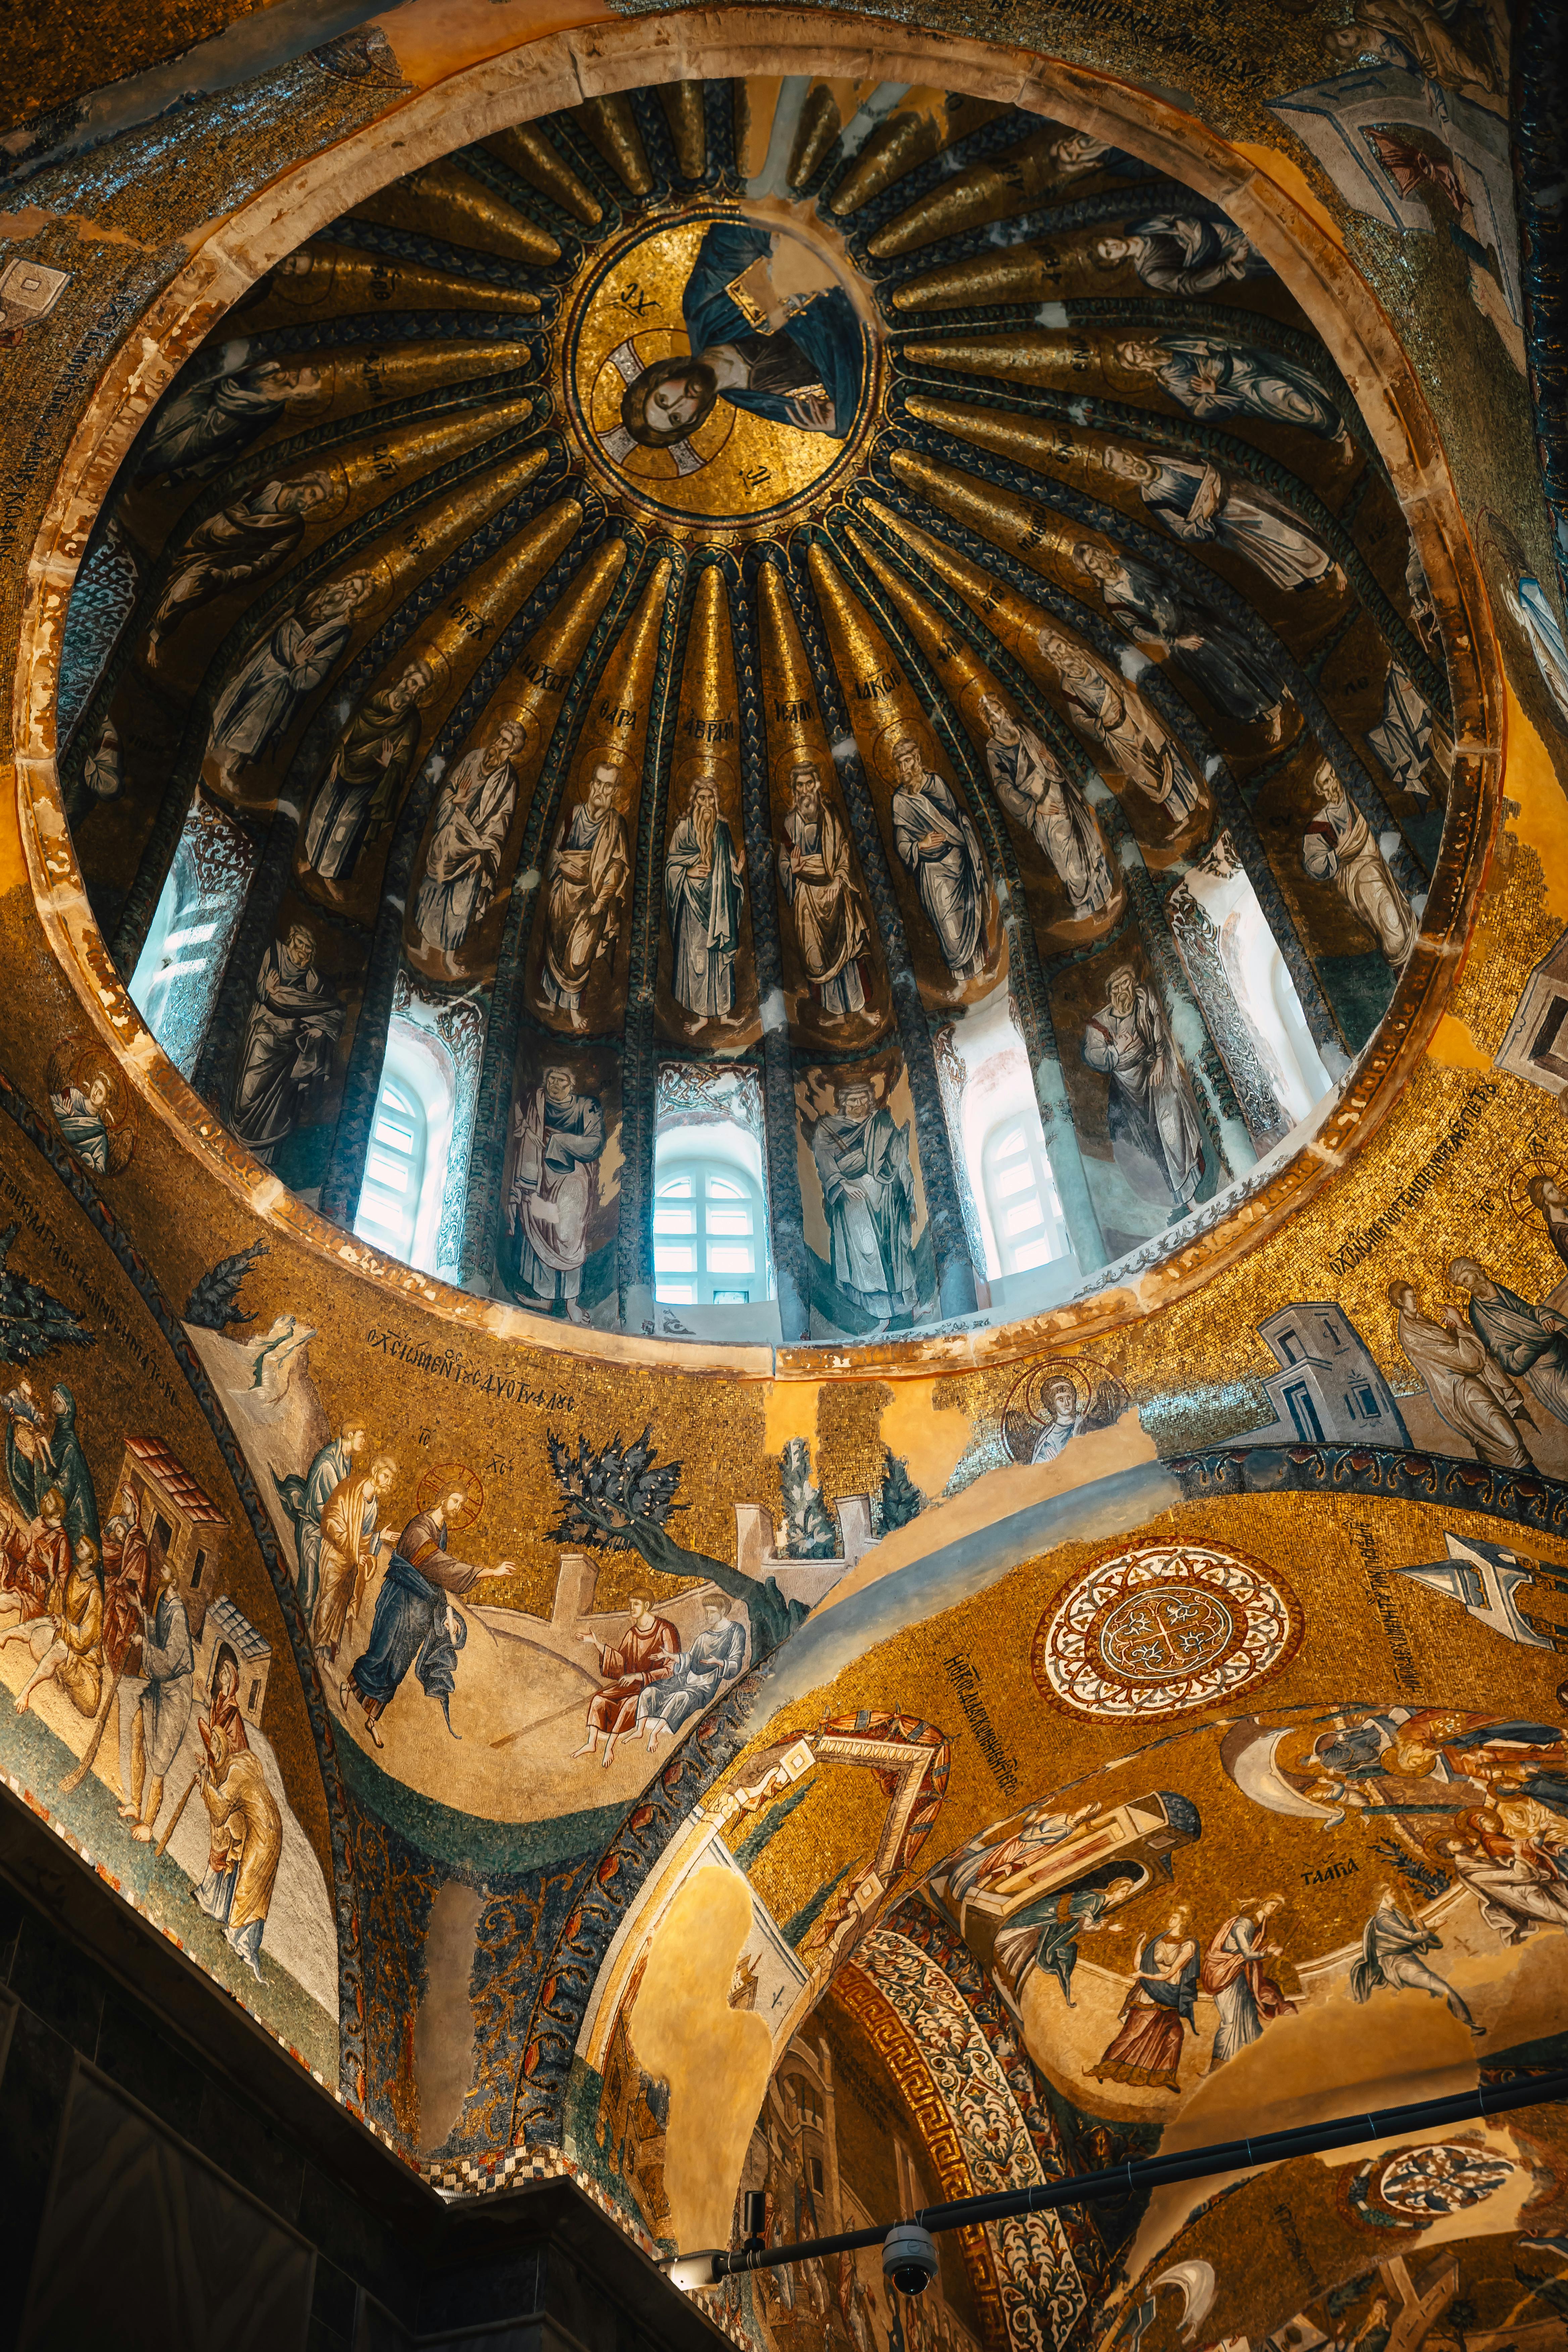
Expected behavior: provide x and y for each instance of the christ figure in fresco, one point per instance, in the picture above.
(862, 1156)
(590, 867)
(361, 791)
(416, 1624)
(798, 360)
(1032, 786)
(462, 864)
(645, 1653)
(703, 897)
(831, 927)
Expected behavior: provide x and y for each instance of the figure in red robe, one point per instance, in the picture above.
(645, 1653)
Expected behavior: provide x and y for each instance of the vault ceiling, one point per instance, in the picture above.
(955, 1746)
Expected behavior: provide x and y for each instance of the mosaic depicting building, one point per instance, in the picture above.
(784, 1258)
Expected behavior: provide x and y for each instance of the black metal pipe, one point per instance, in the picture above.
(1154, 2172)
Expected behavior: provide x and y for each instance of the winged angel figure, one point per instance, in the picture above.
(1063, 1397)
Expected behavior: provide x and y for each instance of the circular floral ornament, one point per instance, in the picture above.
(1417, 2186)
(1159, 1629)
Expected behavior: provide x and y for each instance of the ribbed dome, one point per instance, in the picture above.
(887, 639)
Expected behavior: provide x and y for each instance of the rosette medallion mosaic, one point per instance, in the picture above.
(701, 599)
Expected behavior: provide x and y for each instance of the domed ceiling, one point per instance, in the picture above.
(864, 619)
(811, 612)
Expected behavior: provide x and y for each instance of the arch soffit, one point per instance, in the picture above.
(561, 70)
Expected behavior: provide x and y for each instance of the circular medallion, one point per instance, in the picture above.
(1159, 1629)
(1425, 2183)
(720, 366)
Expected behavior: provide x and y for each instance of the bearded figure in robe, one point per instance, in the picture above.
(217, 416)
(645, 1653)
(361, 791)
(862, 1157)
(550, 1189)
(243, 541)
(1530, 1343)
(1197, 503)
(1339, 848)
(1150, 604)
(462, 864)
(590, 867)
(1118, 721)
(286, 1049)
(1470, 1390)
(1154, 1133)
(938, 843)
(703, 897)
(260, 703)
(1032, 786)
(245, 1843)
(831, 927)
(1179, 254)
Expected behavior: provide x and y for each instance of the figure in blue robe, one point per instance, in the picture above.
(1528, 1341)
(415, 1623)
(714, 1658)
(800, 363)
(1211, 378)
(55, 1461)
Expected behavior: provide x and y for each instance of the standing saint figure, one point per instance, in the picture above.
(1179, 253)
(1211, 378)
(304, 1499)
(218, 414)
(462, 864)
(831, 927)
(415, 1623)
(1472, 1393)
(703, 899)
(1391, 1954)
(1235, 1972)
(1150, 605)
(1524, 1339)
(1120, 723)
(258, 705)
(245, 1843)
(286, 1049)
(1339, 848)
(590, 867)
(361, 791)
(549, 1185)
(1156, 2013)
(1154, 1133)
(645, 1653)
(156, 1708)
(938, 843)
(1032, 786)
(1197, 503)
(242, 541)
(350, 1544)
(862, 1156)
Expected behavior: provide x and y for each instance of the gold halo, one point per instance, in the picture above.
(524, 721)
(971, 695)
(717, 766)
(337, 497)
(887, 739)
(1023, 1422)
(435, 661)
(1516, 1187)
(785, 762)
(441, 1478)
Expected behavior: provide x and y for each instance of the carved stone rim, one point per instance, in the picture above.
(537, 78)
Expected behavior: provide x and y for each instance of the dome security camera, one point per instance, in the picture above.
(908, 2258)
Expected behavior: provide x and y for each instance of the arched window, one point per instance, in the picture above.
(1020, 1197)
(410, 1136)
(709, 1235)
(177, 974)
